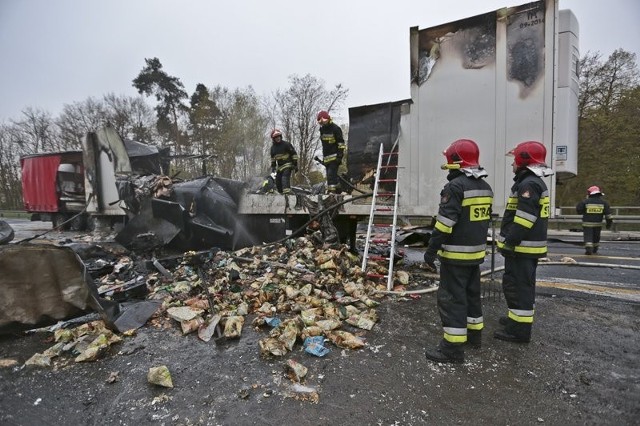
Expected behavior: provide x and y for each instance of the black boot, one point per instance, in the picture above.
(474, 339)
(508, 337)
(588, 251)
(504, 321)
(446, 352)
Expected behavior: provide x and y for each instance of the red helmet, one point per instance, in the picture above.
(462, 153)
(323, 115)
(529, 153)
(275, 133)
(592, 190)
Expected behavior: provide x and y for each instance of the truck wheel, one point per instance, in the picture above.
(79, 223)
(58, 219)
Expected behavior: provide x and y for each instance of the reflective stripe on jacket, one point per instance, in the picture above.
(526, 216)
(460, 233)
(283, 156)
(332, 142)
(593, 209)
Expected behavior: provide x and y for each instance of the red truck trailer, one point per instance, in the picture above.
(53, 188)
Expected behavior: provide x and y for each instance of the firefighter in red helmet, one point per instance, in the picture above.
(284, 161)
(459, 241)
(593, 209)
(523, 239)
(333, 148)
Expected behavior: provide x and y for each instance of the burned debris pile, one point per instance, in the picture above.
(300, 294)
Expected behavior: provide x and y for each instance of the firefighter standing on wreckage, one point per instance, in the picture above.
(593, 209)
(523, 239)
(333, 148)
(284, 161)
(459, 239)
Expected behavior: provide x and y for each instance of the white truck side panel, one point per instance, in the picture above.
(490, 78)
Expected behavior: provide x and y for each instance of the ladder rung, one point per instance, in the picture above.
(380, 240)
(389, 167)
(390, 153)
(386, 194)
(376, 257)
(383, 225)
(384, 209)
(376, 276)
(387, 180)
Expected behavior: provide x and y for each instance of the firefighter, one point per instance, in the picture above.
(593, 209)
(333, 148)
(459, 239)
(523, 239)
(284, 160)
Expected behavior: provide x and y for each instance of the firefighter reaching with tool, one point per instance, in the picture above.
(333, 148)
(459, 239)
(593, 209)
(523, 239)
(284, 160)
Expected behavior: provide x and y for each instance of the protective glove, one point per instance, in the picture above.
(295, 168)
(339, 158)
(609, 223)
(508, 251)
(430, 262)
(318, 160)
(273, 175)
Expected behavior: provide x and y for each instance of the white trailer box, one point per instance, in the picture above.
(500, 78)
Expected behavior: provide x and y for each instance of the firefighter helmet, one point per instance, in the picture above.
(529, 153)
(462, 153)
(593, 190)
(323, 116)
(276, 133)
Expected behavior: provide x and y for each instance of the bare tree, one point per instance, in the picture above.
(34, 133)
(132, 117)
(78, 118)
(241, 144)
(10, 187)
(294, 110)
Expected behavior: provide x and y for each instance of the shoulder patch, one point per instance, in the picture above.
(444, 198)
(526, 194)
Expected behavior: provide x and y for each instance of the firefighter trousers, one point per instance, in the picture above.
(459, 301)
(283, 181)
(591, 236)
(332, 176)
(519, 286)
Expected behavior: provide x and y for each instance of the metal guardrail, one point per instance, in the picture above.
(624, 211)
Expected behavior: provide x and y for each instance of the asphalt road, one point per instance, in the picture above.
(582, 366)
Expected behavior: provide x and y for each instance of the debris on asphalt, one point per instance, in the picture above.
(113, 377)
(160, 376)
(295, 371)
(8, 362)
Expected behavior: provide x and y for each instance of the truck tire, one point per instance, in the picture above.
(58, 219)
(78, 223)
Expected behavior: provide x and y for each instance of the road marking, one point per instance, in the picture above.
(594, 287)
(596, 256)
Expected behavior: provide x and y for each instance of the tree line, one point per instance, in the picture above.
(608, 130)
(214, 131)
(226, 130)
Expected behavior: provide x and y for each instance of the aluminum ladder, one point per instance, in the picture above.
(375, 210)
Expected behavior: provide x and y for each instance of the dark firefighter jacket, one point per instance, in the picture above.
(283, 156)
(332, 142)
(593, 209)
(524, 226)
(460, 234)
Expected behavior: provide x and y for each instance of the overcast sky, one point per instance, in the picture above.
(55, 52)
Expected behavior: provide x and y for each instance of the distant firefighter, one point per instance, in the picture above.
(593, 209)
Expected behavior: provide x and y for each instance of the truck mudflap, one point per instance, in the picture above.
(42, 284)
